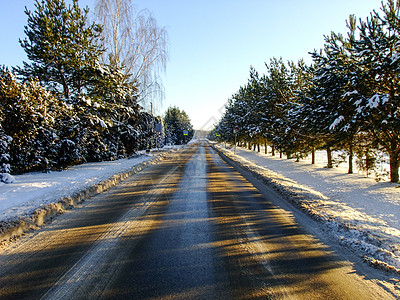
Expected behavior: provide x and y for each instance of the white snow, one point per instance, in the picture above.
(88, 101)
(347, 94)
(102, 123)
(374, 101)
(357, 211)
(34, 190)
(336, 122)
(7, 178)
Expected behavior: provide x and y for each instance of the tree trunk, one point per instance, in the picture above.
(313, 156)
(280, 154)
(258, 148)
(368, 164)
(249, 146)
(254, 147)
(350, 160)
(273, 150)
(64, 83)
(265, 147)
(394, 167)
(329, 155)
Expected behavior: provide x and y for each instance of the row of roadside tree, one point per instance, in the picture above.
(347, 99)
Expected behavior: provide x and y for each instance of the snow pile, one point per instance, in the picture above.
(33, 191)
(6, 178)
(358, 212)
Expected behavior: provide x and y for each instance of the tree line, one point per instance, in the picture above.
(80, 96)
(347, 98)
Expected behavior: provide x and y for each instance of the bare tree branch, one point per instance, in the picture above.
(136, 43)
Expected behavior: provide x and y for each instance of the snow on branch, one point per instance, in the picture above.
(336, 122)
(376, 100)
(348, 94)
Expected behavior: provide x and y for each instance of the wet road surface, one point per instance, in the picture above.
(191, 227)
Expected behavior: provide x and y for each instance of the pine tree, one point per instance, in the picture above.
(5, 141)
(251, 111)
(5, 167)
(176, 123)
(376, 77)
(331, 113)
(28, 115)
(278, 95)
(63, 48)
(224, 128)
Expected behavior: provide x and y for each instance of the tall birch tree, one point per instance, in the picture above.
(136, 44)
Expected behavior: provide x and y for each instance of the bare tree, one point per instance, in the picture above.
(135, 43)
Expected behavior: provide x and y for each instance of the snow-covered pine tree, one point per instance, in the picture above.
(233, 121)
(117, 94)
(251, 114)
(331, 112)
(278, 95)
(176, 121)
(376, 98)
(297, 134)
(28, 114)
(145, 130)
(5, 141)
(223, 129)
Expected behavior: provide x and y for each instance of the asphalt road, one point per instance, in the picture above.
(191, 227)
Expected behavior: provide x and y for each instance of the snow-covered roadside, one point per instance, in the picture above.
(21, 200)
(358, 212)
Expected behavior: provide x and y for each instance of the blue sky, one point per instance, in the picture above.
(213, 43)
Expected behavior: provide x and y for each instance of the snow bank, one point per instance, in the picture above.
(358, 212)
(6, 178)
(34, 198)
(32, 190)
